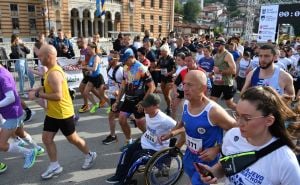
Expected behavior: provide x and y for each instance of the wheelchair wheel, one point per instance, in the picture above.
(164, 168)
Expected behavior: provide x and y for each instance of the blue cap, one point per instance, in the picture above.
(128, 53)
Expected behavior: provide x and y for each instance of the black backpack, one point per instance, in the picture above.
(113, 77)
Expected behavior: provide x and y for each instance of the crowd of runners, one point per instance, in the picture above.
(259, 83)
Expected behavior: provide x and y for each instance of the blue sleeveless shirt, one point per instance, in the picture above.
(91, 64)
(200, 132)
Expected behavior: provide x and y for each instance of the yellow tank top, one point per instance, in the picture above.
(59, 109)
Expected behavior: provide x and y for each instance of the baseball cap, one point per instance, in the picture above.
(151, 99)
(127, 53)
(220, 41)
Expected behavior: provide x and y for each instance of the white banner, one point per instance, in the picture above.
(267, 23)
(73, 71)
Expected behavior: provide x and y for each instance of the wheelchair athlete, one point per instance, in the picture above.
(158, 123)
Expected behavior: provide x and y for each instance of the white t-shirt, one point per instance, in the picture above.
(279, 167)
(157, 126)
(112, 85)
(281, 65)
(255, 62)
(198, 57)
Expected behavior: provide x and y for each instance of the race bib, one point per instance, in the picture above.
(193, 144)
(150, 137)
(218, 77)
(242, 74)
(82, 57)
(164, 71)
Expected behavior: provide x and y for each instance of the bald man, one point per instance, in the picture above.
(59, 114)
(203, 122)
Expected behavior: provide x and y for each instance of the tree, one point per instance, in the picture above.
(178, 7)
(191, 11)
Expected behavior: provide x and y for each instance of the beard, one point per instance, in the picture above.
(266, 66)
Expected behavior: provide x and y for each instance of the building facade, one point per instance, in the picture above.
(78, 17)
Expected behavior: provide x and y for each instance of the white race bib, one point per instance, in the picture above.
(164, 71)
(82, 57)
(242, 74)
(193, 144)
(152, 138)
(218, 77)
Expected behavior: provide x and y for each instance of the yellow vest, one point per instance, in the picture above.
(59, 109)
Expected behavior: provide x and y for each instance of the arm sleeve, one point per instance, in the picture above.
(9, 98)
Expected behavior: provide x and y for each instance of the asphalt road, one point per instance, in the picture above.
(93, 128)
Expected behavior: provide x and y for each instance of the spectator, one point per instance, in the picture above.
(19, 52)
(117, 43)
(52, 36)
(37, 45)
(63, 45)
(3, 58)
(137, 42)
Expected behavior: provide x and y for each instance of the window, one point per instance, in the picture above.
(32, 24)
(14, 7)
(151, 28)
(160, 20)
(31, 8)
(143, 3)
(142, 28)
(152, 4)
(15, 23)
(160, 4)
(143, 18)
(159, 28)
(14, 10)
(151, 17)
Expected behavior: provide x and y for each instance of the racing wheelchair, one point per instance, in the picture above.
(164, 167)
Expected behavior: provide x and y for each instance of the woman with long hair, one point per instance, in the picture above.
(261, 114)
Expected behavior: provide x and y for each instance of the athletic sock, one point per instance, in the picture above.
(28, 139)
(15, 148)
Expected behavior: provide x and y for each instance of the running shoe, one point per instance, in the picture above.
(128, 143)
(40, 151)
(110, 139)
(89, 160)
(19, 141)
(108, 110)
(94, 108)
(30, 159)
(84, 108)
(50, 172)
(3, 167)
(114, 179)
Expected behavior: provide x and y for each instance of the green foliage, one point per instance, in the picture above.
(218, 30)
(178, 7)
(191, 11)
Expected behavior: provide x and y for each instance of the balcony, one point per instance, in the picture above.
(14, 13)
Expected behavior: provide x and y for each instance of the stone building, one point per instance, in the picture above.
(78, 17)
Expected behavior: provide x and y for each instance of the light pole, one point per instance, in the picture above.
(48, 16)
